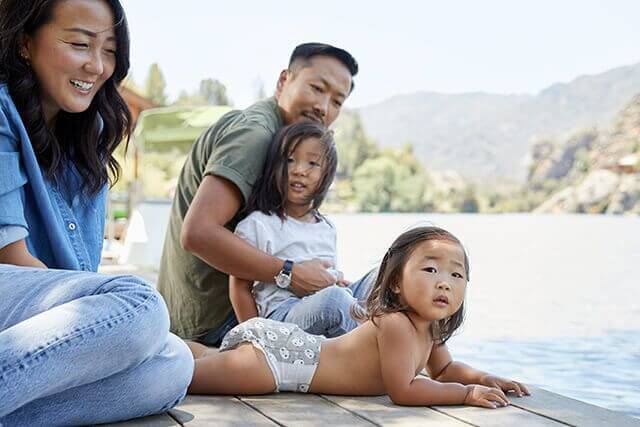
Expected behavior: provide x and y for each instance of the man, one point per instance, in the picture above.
(200, 248)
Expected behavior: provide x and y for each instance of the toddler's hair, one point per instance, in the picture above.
(270, 192)
(383, 299)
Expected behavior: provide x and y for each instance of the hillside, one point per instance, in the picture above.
(591, 171)
(481, 135)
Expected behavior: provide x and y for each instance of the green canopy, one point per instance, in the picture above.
(163, 129)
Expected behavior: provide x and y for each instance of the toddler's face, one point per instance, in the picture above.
(434, 280)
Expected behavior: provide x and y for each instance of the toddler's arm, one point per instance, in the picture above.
(244, 305)
(398, 363)
(442, 367)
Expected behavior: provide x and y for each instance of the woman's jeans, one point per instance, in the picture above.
(85, 348)
(327, 312)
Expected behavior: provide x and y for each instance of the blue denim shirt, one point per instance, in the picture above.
(63, 227)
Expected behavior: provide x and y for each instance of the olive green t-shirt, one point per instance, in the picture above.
(234, 148)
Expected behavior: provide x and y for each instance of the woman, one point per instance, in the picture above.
(76, 347)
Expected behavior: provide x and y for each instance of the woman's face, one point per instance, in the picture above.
(72, 55)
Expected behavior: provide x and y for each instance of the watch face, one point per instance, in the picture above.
(283, 281)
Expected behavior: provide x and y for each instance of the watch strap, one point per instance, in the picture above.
(287, 267)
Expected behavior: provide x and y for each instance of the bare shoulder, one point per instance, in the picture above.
(395, 323)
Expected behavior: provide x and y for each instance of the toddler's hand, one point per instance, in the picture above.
(505, 385)
(486, 397)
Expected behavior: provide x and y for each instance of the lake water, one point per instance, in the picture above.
(554, 300)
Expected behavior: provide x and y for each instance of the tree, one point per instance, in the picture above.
(156, 85)
(352, 143)
(392, 182)
(213, 92)
(260, 92)
(469, 202)
(189, 99)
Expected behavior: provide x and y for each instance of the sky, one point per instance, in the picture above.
(455, 46)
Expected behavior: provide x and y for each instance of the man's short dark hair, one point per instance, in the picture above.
(306, 51)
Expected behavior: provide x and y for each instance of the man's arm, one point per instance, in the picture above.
(203, 233)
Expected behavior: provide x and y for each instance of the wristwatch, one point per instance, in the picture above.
(283, 279)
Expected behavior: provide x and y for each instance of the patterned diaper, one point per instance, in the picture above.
(292, 354)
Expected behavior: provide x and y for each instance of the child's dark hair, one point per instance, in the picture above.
(383, 299)
(270, 192)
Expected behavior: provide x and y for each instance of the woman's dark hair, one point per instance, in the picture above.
(270, 192)
(87, 139)
(383, 299)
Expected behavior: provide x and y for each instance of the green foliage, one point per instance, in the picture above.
(194, 100)
(469, 202)
(214, 92)
(391, 182)
(352, 144)
(158, 172)
(156, 85)
(210, 92)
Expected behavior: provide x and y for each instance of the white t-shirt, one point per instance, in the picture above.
(289, 239)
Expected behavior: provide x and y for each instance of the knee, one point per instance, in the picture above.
(335, 306)
(336, 299)
(162, 381)
(179, 371)
(146, 314)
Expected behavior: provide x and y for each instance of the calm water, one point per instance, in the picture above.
(553, 301)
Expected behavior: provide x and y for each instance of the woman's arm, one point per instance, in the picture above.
(244, 305)
(17, 253)
(398, 363)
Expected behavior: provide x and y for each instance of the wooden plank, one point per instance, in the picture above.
(160, 420)
(499, 417)
(297, 409)
(571, 411)
(382, 411)
(223, 411)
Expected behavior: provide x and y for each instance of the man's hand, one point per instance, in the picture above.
(311, 276)
(505, 385)
(341, 281)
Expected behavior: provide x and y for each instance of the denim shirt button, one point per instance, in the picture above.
(72, 226)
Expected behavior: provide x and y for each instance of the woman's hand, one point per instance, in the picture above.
(486, 397)
(505, 385)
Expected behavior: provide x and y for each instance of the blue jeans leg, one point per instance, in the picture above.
(152, 387)
(214, 336)
(328, 311)
(362, 287)
(65, 330)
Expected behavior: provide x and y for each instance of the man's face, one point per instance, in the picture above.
(313, 91)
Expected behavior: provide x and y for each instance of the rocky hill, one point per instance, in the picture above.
(481, 134)
(591, 171)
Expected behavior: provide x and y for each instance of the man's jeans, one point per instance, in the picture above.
(85, 348)
(327, 312)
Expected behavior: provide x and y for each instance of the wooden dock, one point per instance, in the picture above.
(542, 408)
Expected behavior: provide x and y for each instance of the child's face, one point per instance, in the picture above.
(305, 172)
(434, 280)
